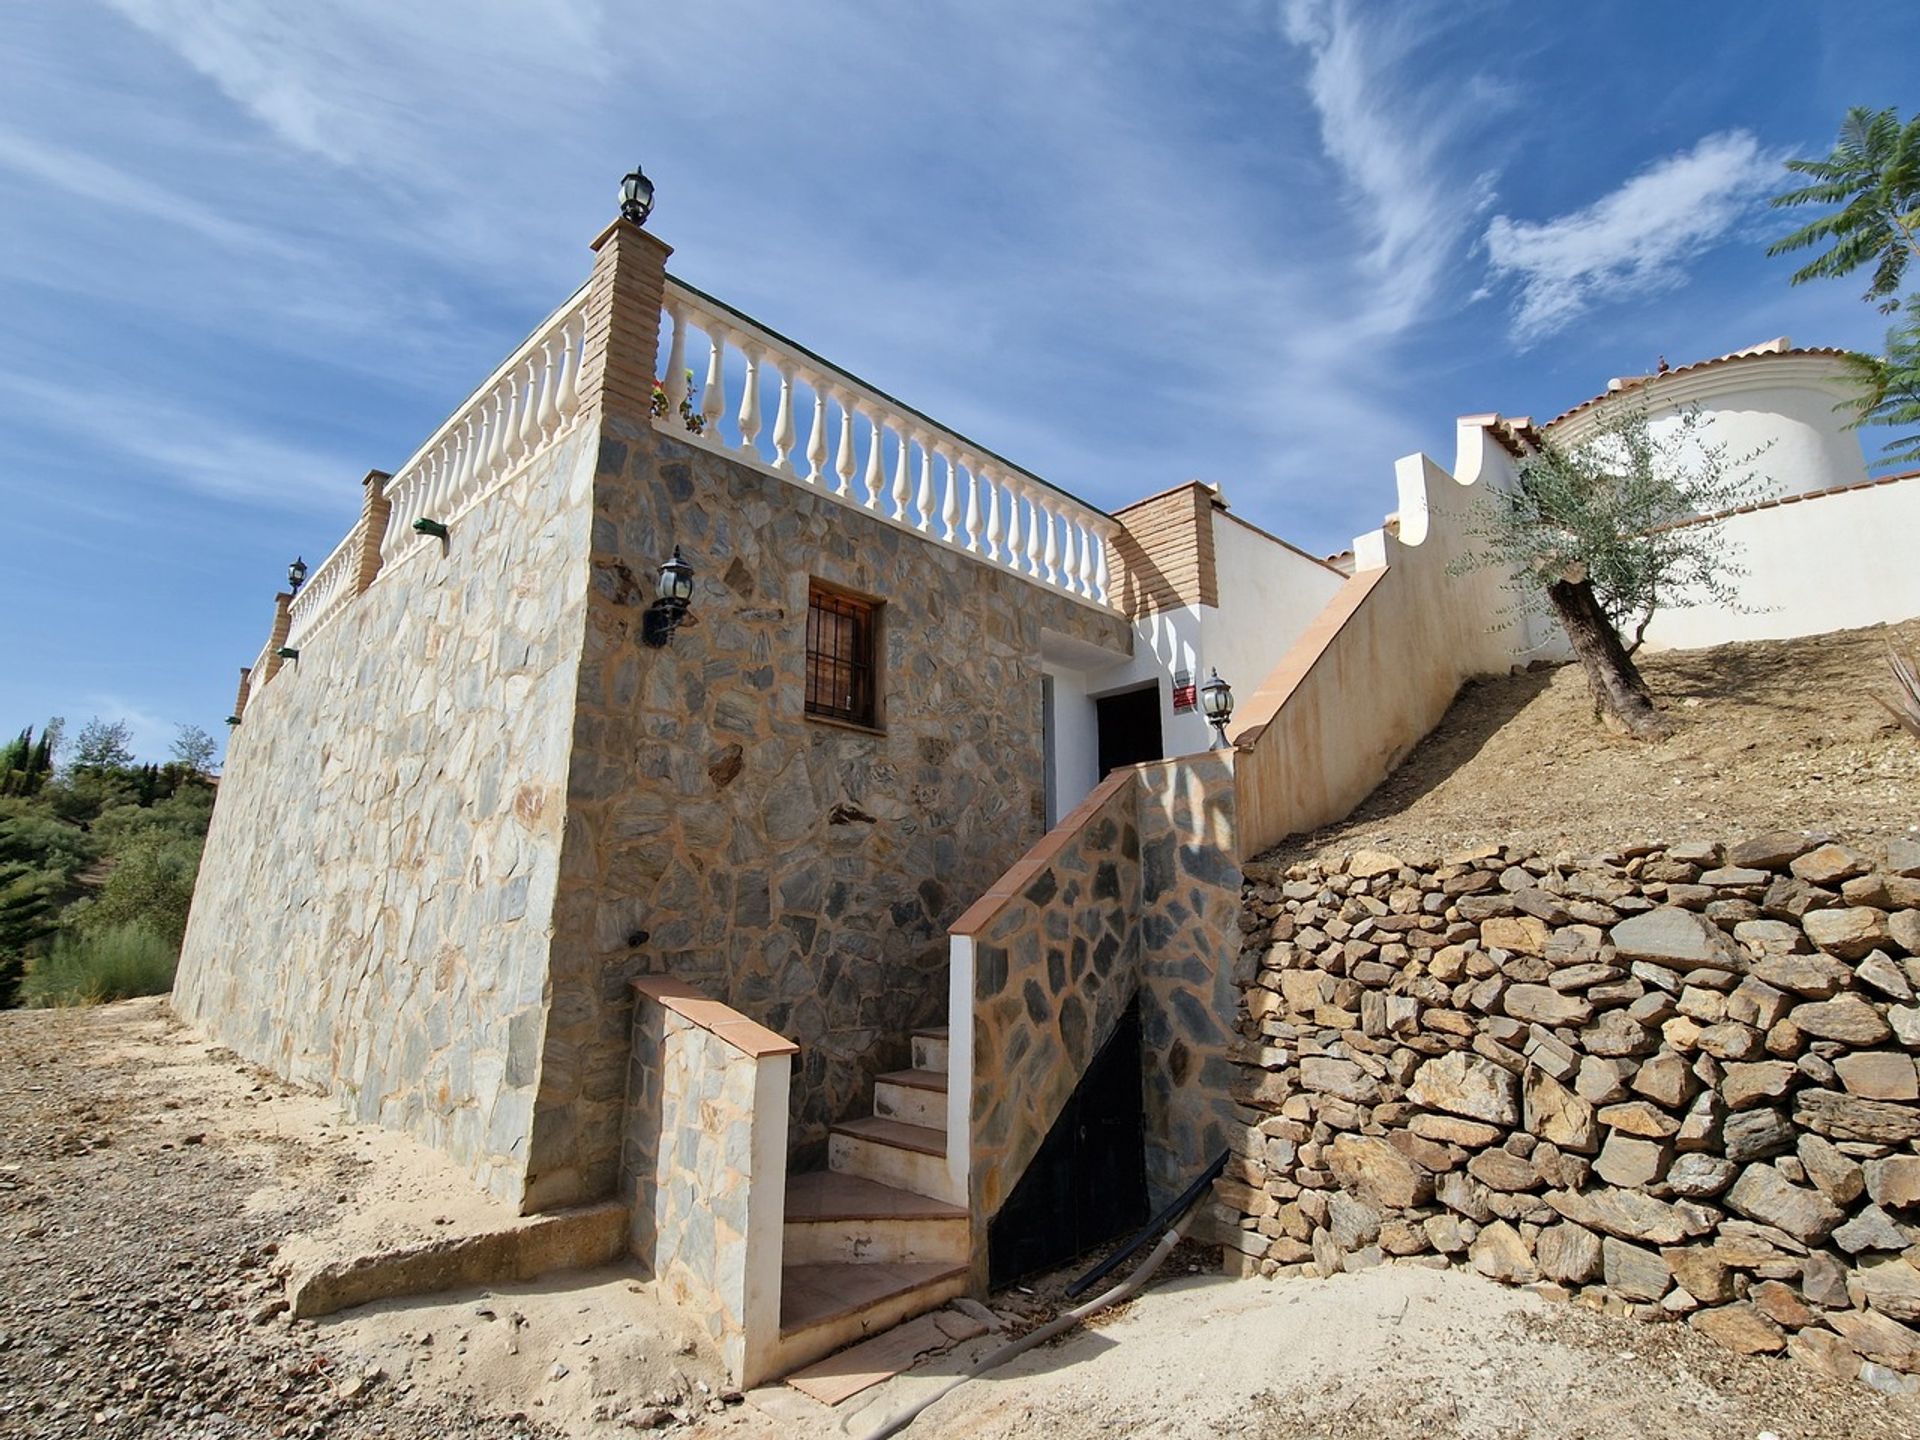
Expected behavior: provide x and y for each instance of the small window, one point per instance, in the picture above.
(842, 646)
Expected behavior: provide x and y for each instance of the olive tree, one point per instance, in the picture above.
(1604, 533)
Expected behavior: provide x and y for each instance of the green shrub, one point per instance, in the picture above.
(150, 885)
(112, 963)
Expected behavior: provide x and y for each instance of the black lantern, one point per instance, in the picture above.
(296, 575)
(1216, 703)
(636, 196)
(674, 594)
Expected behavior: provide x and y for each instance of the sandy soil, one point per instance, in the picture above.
(1768, 735)
(1394, 1352)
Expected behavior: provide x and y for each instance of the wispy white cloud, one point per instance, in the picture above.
(215, 456)
(1390, 131)
(1633, 241)
(111, 189)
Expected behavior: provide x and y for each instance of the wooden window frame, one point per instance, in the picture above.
(842, 675)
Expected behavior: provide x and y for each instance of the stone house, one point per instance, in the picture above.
(615, 896)
(763, 809)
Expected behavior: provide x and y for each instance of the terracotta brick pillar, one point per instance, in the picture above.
(240, 700)
(374, 508)
(282, 622)
(623, 321)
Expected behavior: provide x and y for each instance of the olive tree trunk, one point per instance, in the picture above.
(1620, 696)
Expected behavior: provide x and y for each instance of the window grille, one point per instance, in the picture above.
(842, 641)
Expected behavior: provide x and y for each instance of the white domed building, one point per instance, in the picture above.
(1829, 547)
(1790, 404)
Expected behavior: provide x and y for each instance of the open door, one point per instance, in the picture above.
(1129, 727)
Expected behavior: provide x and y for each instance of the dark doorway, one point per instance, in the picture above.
(1129, 728)
(1088, 1181)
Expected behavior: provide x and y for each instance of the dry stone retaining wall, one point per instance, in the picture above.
(1678, 1081)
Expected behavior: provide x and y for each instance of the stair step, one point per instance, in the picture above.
(914, 1097)
(891, 1152)
(930, 1049)
(817, 1296)
(922, 1139)
(829, 1195)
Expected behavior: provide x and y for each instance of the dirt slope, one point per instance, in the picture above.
(1780, 734)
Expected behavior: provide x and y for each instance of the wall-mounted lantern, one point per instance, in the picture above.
(1216, 703)
(674, 595)
(287, 652)
(233, 719)
(636, 196)
(296, 575)
(424, 526)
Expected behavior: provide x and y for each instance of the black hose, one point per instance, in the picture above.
(1153, 1227)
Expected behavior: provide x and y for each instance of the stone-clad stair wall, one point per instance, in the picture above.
(1674, 1081)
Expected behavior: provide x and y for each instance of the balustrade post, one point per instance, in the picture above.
(950, 510)
(995, 531)
(622, 332)
(843, 460)
(674, 383)
(783, 422)
(1015, 489)
(817, 439)
(375, 510)
(750, 404)
(902, 463)
(713, 404)
(973, 505)
(282, 622)
(240, 699)
(875, 476)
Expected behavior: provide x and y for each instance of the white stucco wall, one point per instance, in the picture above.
(1830, 562)
(1269, 592)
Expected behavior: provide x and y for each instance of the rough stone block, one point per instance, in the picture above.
(1567, 1253)
(1378, 1173)
(1677, 938)
(1468, 1085)
(1847, 932)
(1878, 1075)
(1741, 1328)
(1499, 1253)
(1846, 1018)
(1631, 1162)
(1762, 1193)
(1633, 1273)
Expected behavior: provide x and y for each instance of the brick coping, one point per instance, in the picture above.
(747, 1036)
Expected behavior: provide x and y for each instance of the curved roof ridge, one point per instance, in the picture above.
(1780, 348)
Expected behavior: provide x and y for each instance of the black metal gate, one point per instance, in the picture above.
(1088, 1182)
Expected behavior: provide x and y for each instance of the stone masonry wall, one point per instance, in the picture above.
(1135, 892)
(1189, 918)
(801, 871)
(1679, 1082)
(1056, 959)
(372, 914)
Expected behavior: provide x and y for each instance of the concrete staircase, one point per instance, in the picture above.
(866, 1243)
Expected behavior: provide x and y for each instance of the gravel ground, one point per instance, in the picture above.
(1767, 735)
(138, 1296)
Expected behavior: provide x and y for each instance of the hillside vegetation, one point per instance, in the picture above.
(1768, 735)
(98, 857)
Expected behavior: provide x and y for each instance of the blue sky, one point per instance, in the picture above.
(250, 249)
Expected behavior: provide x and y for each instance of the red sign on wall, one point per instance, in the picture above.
(1186, 695)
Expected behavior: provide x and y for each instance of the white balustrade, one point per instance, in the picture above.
(524, 406)
(326, 591)
(986, 507)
